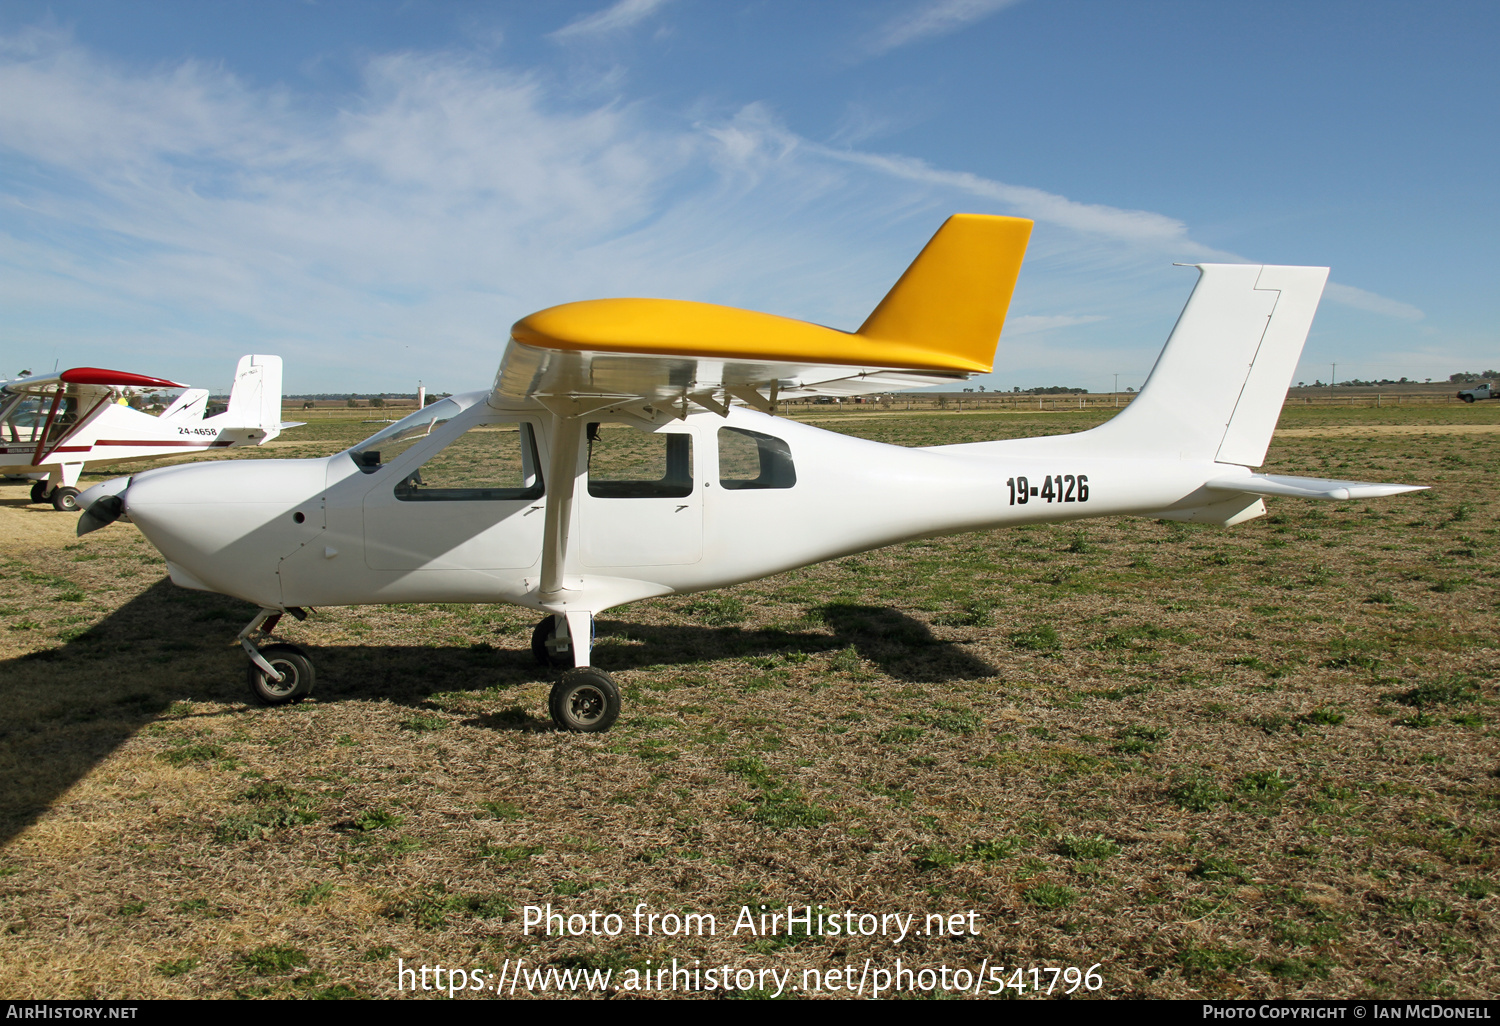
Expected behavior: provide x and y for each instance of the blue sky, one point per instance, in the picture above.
(376, 191)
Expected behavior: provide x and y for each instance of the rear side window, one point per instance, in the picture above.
(627, 463)
(749, 459)
(491, 462)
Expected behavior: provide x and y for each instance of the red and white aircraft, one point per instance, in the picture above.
(52, 427)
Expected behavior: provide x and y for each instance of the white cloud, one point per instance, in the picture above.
(930, 18)
(860, 124)
(182, 199)
(622, 15)
(1359, 299)
(176, 217)
(754, 135)
(1134, 225)
(1029, 324)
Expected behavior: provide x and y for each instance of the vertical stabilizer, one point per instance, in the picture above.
(190, 405)
(255, 399)
(1218, 386)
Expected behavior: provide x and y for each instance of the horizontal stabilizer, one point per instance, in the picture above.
(1309, 487)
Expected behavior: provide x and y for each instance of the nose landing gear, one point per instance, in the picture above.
(296, 671)
(279, 673)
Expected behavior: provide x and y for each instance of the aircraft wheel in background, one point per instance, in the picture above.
(39, 490)
(296, 676)
(586, 700)
(65, 500)
(540, 635)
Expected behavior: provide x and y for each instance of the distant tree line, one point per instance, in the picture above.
(1361, 383)
(353, 401)
(331, 397)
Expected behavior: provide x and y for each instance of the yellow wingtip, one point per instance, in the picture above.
(956, 293)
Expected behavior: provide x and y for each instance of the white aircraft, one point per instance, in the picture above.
(52, 427)
(628, 449)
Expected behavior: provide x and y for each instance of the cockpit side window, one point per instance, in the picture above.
(384, 446)
(627, 463)
(21, 418)
(59, 411)
(489, 462)
(749, 459)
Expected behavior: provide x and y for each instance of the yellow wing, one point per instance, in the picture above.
(939, 323)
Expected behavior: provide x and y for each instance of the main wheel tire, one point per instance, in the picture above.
(585, 700)
(39, 490)
(296, 671)
(541, 634)
(65, 500)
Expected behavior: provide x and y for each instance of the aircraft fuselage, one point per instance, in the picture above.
(690, 505)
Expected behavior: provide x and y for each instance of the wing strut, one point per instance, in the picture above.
(562, 479)
(78, 422)
(41, 442)
(750, 396)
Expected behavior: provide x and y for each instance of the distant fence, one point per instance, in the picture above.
(962, 403)
(966, 402)
(1002, 402)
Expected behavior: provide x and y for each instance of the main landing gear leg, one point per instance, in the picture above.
(586, 699)
(278, 673)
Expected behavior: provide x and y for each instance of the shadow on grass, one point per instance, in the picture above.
(67, 708)
(900, 646)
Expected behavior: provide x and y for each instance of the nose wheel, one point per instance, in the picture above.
(296, 672)
(280, 673)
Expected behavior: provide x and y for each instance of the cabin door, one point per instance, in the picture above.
(640, 505)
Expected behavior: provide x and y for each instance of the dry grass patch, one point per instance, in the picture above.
(1256, 762)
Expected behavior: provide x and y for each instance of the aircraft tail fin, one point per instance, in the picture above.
(955, 294)
(1218, 386)
(190, 405)
(255, 399)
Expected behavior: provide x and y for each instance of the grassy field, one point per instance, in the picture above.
(1255, 762)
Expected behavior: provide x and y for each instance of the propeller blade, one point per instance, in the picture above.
(102, 513)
